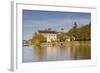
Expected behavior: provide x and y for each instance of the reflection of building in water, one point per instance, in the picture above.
(51, 35)
(39, 52)
(51, 52)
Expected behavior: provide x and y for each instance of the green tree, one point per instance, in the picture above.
(73, 32)
(75, 25)
(62, 37)
(82, 33)
(74, 29)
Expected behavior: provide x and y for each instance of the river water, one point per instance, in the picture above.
(55, 53)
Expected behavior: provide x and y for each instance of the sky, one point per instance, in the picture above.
(34, 20)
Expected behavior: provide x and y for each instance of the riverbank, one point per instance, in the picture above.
(78, 43)
(66, 43)
(71, 43)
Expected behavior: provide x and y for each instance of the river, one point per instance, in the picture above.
(55, 53)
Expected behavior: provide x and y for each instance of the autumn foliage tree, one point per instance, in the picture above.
(38, 38)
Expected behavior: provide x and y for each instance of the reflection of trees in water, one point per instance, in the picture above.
(76, 52)
(39, 52)
(80, 52)
(45, 53)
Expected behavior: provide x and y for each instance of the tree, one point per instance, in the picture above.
(62, 37)
(38, 38)
(73, 32)
(75, 25)
(82, 33)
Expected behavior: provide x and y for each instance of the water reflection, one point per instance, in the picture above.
(54, 53)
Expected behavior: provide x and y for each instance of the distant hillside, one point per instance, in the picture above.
(81, 33)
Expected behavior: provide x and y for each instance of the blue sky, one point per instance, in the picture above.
(39, 20)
